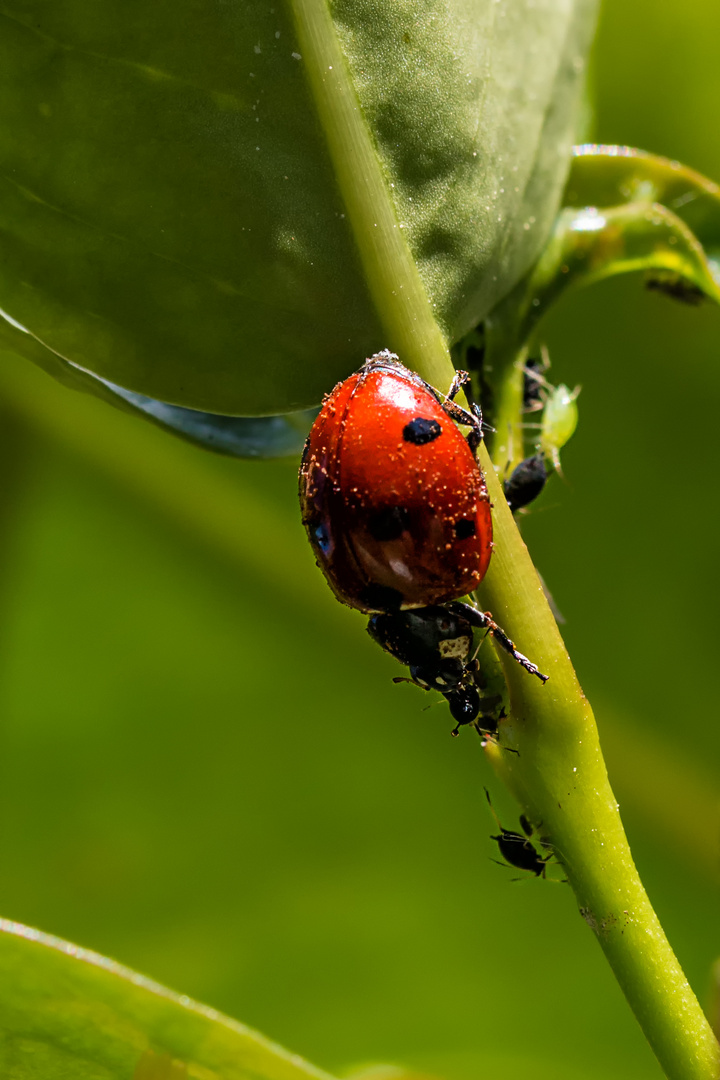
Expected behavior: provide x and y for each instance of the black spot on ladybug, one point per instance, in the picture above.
(465, 528)
(389, 523)
(381, 598)
(421, 431)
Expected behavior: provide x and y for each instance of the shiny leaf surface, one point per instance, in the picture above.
(172, 218)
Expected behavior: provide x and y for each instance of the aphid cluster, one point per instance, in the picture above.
(397, 512)
(558, 406)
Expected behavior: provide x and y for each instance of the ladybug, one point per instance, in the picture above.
(397, 512)
(392, 497)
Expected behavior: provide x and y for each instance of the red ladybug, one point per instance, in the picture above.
(392, 497)
(397, 512)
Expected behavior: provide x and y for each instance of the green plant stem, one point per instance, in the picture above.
(508, 440)
(559, 778)
(558, 773)
(390, 268)
(552, 726)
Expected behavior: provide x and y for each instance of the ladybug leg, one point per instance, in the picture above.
(484, 621)
(461, 379)
(472, 419)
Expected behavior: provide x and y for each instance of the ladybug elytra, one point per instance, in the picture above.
(392, 497)
(397, 512)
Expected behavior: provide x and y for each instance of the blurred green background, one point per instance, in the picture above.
(207, 773)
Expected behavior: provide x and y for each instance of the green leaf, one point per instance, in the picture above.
(69, 1012)
(650, 213)
(236, 436)
(198, 206)
(623, 211)
(605, 176)
(593, 244)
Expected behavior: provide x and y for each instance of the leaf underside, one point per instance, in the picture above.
(171, 216)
